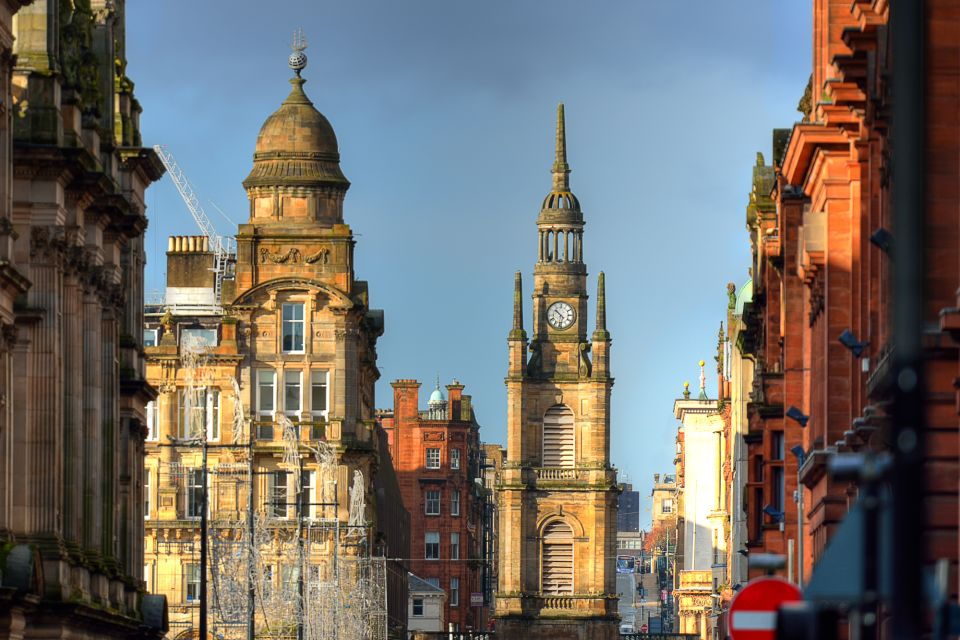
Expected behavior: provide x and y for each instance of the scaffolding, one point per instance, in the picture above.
(310, 575)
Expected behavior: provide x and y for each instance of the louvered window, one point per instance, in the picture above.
(557, 560)
(558, 437)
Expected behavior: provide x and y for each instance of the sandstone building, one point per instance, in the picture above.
(436, 455)
(72, 382)
(274, 384)
(557, 497)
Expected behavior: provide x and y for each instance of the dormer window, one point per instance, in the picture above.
(292, 327)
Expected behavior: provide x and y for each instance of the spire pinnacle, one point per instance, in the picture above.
(298, 59)
(600, 333)
(561, 170)
(517, 332)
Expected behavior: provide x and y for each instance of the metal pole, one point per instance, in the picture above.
(908, 136)
(203, 545)
(251, 557)
(300, 552)
(799, 527)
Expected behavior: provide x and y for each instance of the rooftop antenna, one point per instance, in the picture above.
(298, 59)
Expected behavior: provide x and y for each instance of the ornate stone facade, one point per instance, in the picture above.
(290, 364)
(72, 384)
(557, 497)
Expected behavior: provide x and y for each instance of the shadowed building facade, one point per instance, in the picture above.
(557, 497)
(72, 387)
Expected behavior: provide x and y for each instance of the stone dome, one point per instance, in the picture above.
(296, 146)
(437, 396)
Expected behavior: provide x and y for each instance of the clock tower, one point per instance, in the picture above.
(558, 492)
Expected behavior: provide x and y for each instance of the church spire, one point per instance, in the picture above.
(561, 170)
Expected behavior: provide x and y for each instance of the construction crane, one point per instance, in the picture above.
(223, 247)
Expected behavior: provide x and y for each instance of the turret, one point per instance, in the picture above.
(517, 339)
(601, 337)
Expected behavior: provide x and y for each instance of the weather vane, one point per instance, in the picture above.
(298, 59)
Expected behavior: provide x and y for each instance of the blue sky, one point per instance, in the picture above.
(444, 111)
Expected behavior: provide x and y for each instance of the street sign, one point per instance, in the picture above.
(476, 599)
(643, 628)
(753, 612)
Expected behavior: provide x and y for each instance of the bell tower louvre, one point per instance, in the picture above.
(558, 493)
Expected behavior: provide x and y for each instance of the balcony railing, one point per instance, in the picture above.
(558, 473)
(269, 430)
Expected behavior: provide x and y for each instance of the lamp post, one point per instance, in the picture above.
(801, 456)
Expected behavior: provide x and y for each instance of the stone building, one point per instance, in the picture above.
(701, 569)
(436, 454)
(492, 463)
(73, 391)
(274, 384)
(426, 608)
(557, 496)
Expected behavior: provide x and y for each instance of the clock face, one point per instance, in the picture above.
(560, 315)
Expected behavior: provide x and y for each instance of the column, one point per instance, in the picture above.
(566, 246)
(92, 426)
(166, 482)
(556, 256)
(540, 246)
(73, 414)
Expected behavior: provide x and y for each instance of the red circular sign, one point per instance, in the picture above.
(643, 628)
(753, 612)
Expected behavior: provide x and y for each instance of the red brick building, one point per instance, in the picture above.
(436, 456)
(821, 223)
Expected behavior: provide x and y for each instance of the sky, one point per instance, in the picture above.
(445, 113)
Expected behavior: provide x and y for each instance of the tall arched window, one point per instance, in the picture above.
(558, 437)
(557, 559)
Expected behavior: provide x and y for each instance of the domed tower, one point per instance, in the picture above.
(558, 493)
(305, 326)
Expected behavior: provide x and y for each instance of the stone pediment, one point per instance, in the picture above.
(338, 299)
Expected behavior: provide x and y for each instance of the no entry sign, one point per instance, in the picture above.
(753, 612)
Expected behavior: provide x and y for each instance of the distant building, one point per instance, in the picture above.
(702, 568)
(492, 463)
(628, 509)
(426, 605)
(436, 454)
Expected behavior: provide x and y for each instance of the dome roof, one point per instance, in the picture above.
(745, 296)
(296, 146)
(436, 396)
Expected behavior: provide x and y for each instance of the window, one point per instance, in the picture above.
(432, 503)
(194, 492)
(431, 544)
(454, 546)
(292, 327)
(666, 506)
(153, 421)
(433, 458)
(291, 393)
(150, 337)
(777, 449)
(147, 496)
(268, 581)
(418, 607)
(454, 458)
(199, 413)
(433, 582)
(557, 559)
(558, 437)
(455, 503)
(777, 500)
(266, 401)
(454, 592)
(308, 494)
(194, 338)
(277, 494)
(192, 579)
(289, 576)
(318, 394)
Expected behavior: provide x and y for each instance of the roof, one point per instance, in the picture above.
(419, 585)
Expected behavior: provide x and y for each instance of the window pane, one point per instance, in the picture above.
(149, 337)
(454, 546)
(418, 606)
(265, 393)
(277, 494)
(455, 458)
(454, 592)
(455, 503)
(433, 503)
(433, 458)
(292, 327)
(198, 338)
(318, 397)
(431, 545)
(146, 493)
(291, 396)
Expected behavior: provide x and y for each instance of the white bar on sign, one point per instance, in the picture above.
(754, 620)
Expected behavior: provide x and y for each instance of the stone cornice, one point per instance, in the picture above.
(805, 141)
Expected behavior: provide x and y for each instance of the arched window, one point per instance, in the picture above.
(557, 559)
(558, 437)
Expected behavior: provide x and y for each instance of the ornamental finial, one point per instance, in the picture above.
(298, 59)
